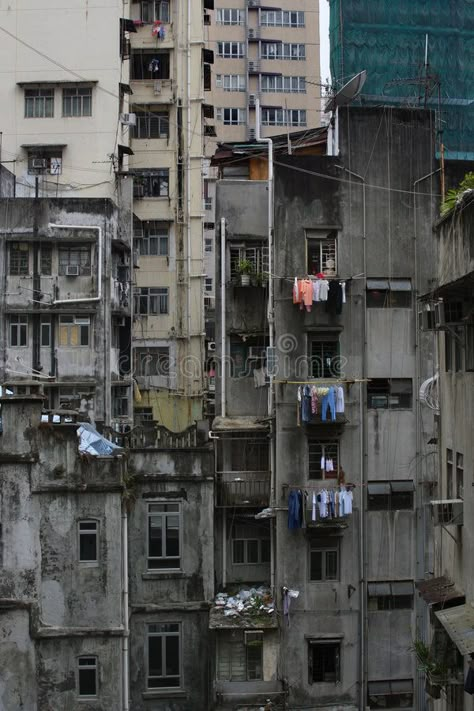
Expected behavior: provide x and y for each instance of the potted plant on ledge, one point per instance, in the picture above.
(245, 269)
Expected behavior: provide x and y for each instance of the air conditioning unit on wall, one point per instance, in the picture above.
(128, 119)
(72, 270)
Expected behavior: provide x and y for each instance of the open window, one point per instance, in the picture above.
(324, 661)
(390, 495)
(321, 252)
(390, 393)
(149, 64)
(389, 293)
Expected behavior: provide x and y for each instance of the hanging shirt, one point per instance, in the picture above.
(348, 503)
(307, 293)
(340, 399)
(334, 301)
(323, 463)
(294, 509)
(343, 288)
(314, 400)
(313, 510)
(316, 287)
(306, 413)
(323, 290)
(323, 509)
(296, 292)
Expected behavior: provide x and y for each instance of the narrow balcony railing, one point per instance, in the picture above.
(247, 489)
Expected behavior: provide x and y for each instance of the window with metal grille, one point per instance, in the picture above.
(143, 415)
(282, 50)
(324, 559)
(152, 361)
(390, 394)
(231, 82)
(43, 160)
(271, 83)
(88, 539)
(77, 101)
(228, 16)
(87, 677)
(324, 356)
(151, 238)
(19, 259)
(319, 453)
(240, 656)
(153, 10)
(391, 694)
(149, 64)
(281, 18)
(164, 545)
(231, 50)
(396, 595)
(324, 663)
(257, 255)
(243, 454)
(120, 401)
(250, 543)
(459, 475)
(39, 103)
(390, 495)
(389, 293)
(152, 184)
(18, 330)
(151, 122)
(321, 252)
(449, 473)
(75, 258)
(208, 284)
(74, 330)
(152, 301)
(46, 260)
(164, 656)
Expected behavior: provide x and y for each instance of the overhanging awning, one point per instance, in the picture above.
(459, 624)
(227, 424)
(438, 590)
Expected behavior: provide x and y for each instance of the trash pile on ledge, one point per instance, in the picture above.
(253, 602)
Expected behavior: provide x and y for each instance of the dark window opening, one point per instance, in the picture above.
(151, 122)
(164, 536)
(389, 293)
(324, 354)
(164, 651)
(149, 64)
(324, 662)
(87, 676)
(389, 394)
(324, 560)
(390, 495)
(88, 541)
(152, 185)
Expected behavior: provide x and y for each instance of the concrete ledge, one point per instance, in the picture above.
(164, 694)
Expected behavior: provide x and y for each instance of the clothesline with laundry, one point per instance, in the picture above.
(315, 399)
(316, 288)
(325, 504)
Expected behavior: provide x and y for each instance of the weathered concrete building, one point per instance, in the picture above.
(360, 217)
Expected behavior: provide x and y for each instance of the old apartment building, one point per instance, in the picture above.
(323, 463)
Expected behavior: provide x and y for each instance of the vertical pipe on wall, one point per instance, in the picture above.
(126, 632)
(223, 322)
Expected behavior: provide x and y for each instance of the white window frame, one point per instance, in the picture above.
(278, 84)
(327, 249)
(73, 321)
(283, 50)
(231, 50)
(282, 18)
(154, 631)
(19, 324)
(175, 562)
(231, 116)
(231, 82)
(77, 102)
(153, 238)
(88, 527)
(230, 16)
(256, 253)
(160, 10)
(92, 665)
(39, 103)
(157, 300)
(283, 117)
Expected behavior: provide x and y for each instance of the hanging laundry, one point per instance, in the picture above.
(294, 509)
(329, 401)
(259, 377)
(154, 66)
(323, 290)
(339, 399)
(158, 30)
(334, 300)
(314, 400)
(316, 289)
(306, 404)
(297, 292)
(306, 287)
(313, 509)
(343, 287)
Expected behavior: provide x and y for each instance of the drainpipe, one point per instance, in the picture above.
(188, 165)
(125, 638)
(271, 331)
(93, 299)
(223, 321)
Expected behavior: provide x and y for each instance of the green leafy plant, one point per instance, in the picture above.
(245, 266)
(455, 194)
(435, 672)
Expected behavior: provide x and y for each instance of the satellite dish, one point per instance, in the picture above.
(348, 92)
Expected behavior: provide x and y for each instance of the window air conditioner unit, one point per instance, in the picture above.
(252, 134)
(39, 163)
(72, 270)
(128, 119)
(252, 99)
(256, 352)
(439, 318)
(426, 318)
(251, 33)
(447, 512)
(211, 346)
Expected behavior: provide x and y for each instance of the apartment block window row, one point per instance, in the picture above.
(389, 293)
(164, 536)
(230, 16)
(151, 122)
(231, 50)
(73, 260)
(151, 238)
(231, 82)
(76, 102)
(390, 694)
(232, 117)
(154, 10)
(74, 331)
(154, 183)
(397, 595)
(390, 393)
(283, 117)
(270, 83)
(152, 300)
(164, 656)
(282, 18)
(240, 656)
(390, 495)
(283, 50)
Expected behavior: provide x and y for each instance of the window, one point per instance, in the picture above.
(46, 260)
(243, 454)
(45, 161)
(389, 293)
(152, 361)
(18, 330)
(120, 401)
(231, 82)
(247, 356)
(250, 544)
(88, 534)
(230, 17)
(283, 117)
(320, 454)
(390, 495)
(391, 694)
(324, 560)
(164, 655)
(74, 261)
(469, 347)
(321, 252)
(390, 595)
(152, 301)
(256, 254)
(394, 394)
(232, 117)
(231, 50)
(152, 122)
(208, 284)
(152, 10)
(39, 103)
(240, 656)
(143, 415)
(153, 184)
(459, 475)
(87, 676)
(209, 225)
(280, 84)
(281, 50)
(281, 18)
(45, 337)
(449, 473)
(208, 244)
(77, 101)
(19, 259)
(324, 661)
(74, 330)
(324, 355)
(164, 536)
(152, 238)
(149, 64)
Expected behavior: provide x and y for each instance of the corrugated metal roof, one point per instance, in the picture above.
(438, 590)
(459, 624)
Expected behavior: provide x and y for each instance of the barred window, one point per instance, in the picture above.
(324, 354)
(319, 455)
(152, 122)
(19, 258)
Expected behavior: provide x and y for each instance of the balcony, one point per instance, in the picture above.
(245, 489)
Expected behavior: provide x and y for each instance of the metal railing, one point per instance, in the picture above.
(243, 488)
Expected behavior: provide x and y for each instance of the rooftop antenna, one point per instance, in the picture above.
(348, 92)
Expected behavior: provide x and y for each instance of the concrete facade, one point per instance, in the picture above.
(376, 201)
